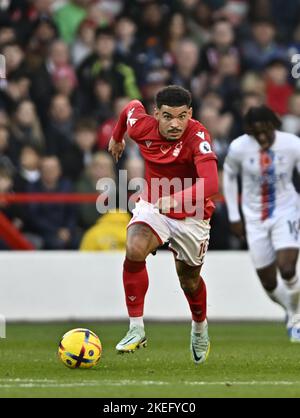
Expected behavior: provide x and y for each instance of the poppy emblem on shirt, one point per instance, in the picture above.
(266, 161)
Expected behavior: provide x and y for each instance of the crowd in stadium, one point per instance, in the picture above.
(71, 66)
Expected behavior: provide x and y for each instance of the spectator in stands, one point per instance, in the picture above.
(5, 144)
(186, 70)
(109, 234)
(15, 59)
(69, 16)
(253, 82)
(65, 83)
(60, 126)
(44, 33)
(134, 167)
(278, 87)
(226, 79)
(103, 63)
(102, 104)
(127, 43)
(291, 121)
(105, 130)
(222, 42)
(80, 154)
(101, 166)
(29, 168)
(11, 211)
(42, 84)
(7, 34)
(175, 30)
(17, 76)
(25, 129)
(83, 45)
(200, 22)
(219, 126)
(262, 48)
(55, 223)
(16, 89)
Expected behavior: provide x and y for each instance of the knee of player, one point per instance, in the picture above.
(287, 271)
(188, 285)
(135, 252)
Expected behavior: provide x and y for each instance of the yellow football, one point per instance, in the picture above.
(80, 348)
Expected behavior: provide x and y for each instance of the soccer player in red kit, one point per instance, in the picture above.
(173, 145)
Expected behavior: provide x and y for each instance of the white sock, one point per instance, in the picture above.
(136, 321)
(293, 291)
(199, 326)
(280, 295)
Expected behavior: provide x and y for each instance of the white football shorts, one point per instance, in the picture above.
(267, 237)
(188, 238)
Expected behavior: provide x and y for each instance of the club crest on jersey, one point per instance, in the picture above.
(131, 120)
(205, 147)
(177, 149)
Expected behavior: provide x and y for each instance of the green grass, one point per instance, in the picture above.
(247, 360)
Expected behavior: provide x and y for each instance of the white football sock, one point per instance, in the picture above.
(280, 295)
(199, 326)
(293, 291)
(136, 321)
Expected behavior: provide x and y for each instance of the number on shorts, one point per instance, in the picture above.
(203, 249)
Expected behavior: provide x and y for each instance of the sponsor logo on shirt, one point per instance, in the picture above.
(201, 135)
(148, 144)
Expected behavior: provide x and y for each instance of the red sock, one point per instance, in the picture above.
(135, 280)
(197, 302)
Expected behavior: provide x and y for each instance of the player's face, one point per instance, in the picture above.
(264, 134)
(173, 121)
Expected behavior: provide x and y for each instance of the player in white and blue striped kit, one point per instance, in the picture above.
(266, 158)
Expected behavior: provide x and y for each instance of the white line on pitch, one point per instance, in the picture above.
(45, 383)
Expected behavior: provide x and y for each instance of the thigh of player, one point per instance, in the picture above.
(286, 230)
(286, 241)
(189, 240)
(145, 232)
(260, 244)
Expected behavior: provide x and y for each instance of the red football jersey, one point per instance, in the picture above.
(167, 159)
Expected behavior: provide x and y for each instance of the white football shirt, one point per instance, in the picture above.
(267, 187)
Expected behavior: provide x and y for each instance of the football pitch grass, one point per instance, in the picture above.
(246, 360)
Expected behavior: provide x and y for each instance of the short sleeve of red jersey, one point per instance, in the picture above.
(134, 120)
(202, 144)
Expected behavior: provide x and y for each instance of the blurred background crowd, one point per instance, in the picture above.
(71, 66)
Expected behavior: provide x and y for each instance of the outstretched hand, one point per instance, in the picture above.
(116, 149)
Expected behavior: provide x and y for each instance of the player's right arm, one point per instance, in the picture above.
(135, 121)
(232, 168)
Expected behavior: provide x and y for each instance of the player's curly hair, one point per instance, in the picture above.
(261, 114)
(173, 96)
